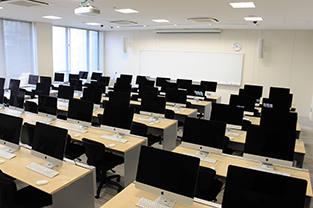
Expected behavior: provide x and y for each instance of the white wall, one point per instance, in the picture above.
(287, 58)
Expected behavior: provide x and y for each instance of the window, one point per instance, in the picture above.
(17, 53)
(75, 50)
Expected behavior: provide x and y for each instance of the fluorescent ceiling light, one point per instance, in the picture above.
(253, 18)
(238, 5)
(1, 7)
(51, 17)
(160, 20)
(126, 11)
(93, 23)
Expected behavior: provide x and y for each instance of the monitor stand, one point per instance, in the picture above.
(50, 165)
(164, 201)
(266, 166)
(10, 150)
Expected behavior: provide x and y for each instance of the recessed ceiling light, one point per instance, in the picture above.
(238, 5)
(1, 7)
(51, 17)
(93, 23)
(160, 20)
(126, 11)
(253, 18)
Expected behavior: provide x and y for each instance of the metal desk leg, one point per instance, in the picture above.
(169, 137)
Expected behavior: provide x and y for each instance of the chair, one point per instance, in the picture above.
(245, 125)
(142, 130)
(31, 106)
(170, 114)
(103, 161)
(27, 133)
(208, 187)
(73, 149)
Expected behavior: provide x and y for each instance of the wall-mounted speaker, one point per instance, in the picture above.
(125, 45)
(261, 43)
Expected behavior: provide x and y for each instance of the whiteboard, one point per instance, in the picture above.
(224, 68)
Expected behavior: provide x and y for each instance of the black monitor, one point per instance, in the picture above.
(80, 112)
(126, 78)
(148, 90)
(226, 113)
(279, 103)
(270, 146)
(117, 119)
(279, 120)
(204, 135)
(161, 80)
(209, 85)
(122, 87)
(77, 84)
(243, 102)
(176, 97)
(59, 77)
(149, 83)
(49, 143)
(73, 77)
(42, 89)
(184, 83)
(274, 91)
(66, 92)
(95, 75)
(168, 85)
(17, 100)
(105, 80)
(33, 79)
(121, 99)
(14, 84)
(196, 90)
(45, 79)
(246, 188)
(47, 105)
(1, 97)
(167, 174)
(2, 81)
(256, 89)
(93, 95)
(153, 106)
(250, 93)
(10, 131)
(141, 80)
(83, 74)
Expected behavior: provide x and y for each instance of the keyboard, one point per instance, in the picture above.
(42, 170)
(232, 134)
(16, 114)
(146, 203)
(270, 171)
(114, 138)
(73, 128)
(209, 203)
(209, 159)
(6, 155)
(62, 104)
(145, 119)
(42, 121)
(202, 157)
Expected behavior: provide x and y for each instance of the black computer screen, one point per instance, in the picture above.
(10, 128)
(149, 83)
(77, 84)
(93, 95)
(147, 90)
(119, 117)
(73, 77)
(42, 89)
(141, 80)
(44, 79)
(104, 80)
(80, 110)
(1, 95)
(14, 84)
(47, 104)
(209, 86)
(184, 83)
(273, 143)
(17, 99)
(204, 132)
(196, 90)
(66, 92)
(279, 103)
(226, 113)
(176, 96)
(250, 93)
(2, 81)
(168, 171)
(49, 140)
(279, 120)
(256, 89)
(168, 85)
(246, 188)
(58, 77)
(126, 78)
(153, 104)
(122, 87)
(95, 75)
(274, 91)
(161, 80)
(83, 74)
(121, 99)
(243, 102)
(33, 79)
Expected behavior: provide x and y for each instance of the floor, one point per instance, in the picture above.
(306, 135)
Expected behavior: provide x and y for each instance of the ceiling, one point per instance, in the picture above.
(276, 14)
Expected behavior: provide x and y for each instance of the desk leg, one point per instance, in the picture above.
(298, 159)
(207, 111)
(79, 194)
(169, 137)
(307, 202)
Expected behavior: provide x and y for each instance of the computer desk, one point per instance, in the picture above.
(129, 150)
(131, 195)
(214, 98)
(223, 161)
(202, 106)
(72, 187)
(238, 143)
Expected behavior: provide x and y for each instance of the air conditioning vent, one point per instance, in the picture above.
(123, 22)
(204, 19)
(187, 31)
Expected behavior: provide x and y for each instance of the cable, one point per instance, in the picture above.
(81, 3)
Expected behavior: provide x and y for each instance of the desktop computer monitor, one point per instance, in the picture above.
(42, 89)
(10, 131)
(147, 90)
(161, 80)
(73, 77)
(209, 85)
(153, 106)
(117, 119)
(226, 113)
(278, 103)
(196, 91)
(279, 120)
(14, 84)
(167, 174)
(47, 105)
(1, 97)
(33, 79)
(93, 95)
(184, 83)
(66, 92)
(17, 100)
(105, 80)
(126, 78)
(121, 99)
(77, 84)
(270, 146)
(176, 97)
(95, 75)
(276, 91)
(59, 77)
(2, 81)
(83, 74)
(80, 112)
(243, 102)
(246, 188)
(256, 89)
(122, 87)
(250, 93)
(148, 83)
(142, 80)
(49, 144)
(45, 79)
(204, 135)
(168, 85)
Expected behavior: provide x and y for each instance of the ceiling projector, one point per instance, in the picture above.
(87, 11)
